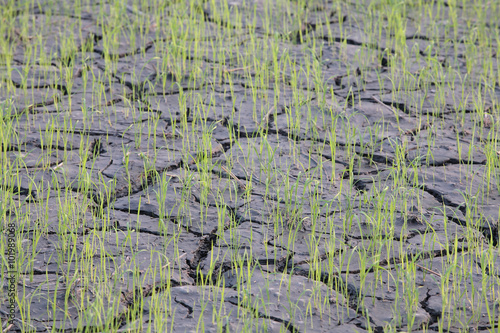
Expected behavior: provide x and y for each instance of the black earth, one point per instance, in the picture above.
(249, 166)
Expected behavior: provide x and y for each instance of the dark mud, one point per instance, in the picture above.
(137, 189)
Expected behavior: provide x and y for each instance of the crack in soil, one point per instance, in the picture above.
(288, 324)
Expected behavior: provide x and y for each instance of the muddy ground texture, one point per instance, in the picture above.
(283, 200)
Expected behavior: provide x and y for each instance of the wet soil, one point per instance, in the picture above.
(274, 201)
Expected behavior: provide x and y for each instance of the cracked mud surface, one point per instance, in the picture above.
(159, 180)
